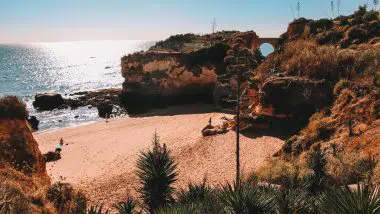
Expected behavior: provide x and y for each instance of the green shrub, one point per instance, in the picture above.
(246, 198)
(97, 210)
(12, 107)
(370, 16)
(176, 42)
(157, 173)
(66, 199)
(126, 207)
(344, 200)
(278, 171)
(214, 54)
(329, 37)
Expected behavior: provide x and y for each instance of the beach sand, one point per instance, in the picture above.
(100, 157)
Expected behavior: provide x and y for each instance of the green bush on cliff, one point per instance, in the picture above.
(12, 107)
(214, 54)
(175, 42)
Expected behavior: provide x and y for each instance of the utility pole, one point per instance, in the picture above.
(332, 8)
(338, 5)
(213, 25)
(298, 8)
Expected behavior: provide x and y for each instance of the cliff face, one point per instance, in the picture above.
(24, 184)
(182, 69)
(18, 149)
(325, 74)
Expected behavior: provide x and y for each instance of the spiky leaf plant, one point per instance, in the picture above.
(194, 193)
(157, 173)
(97, 210)
(363, 200)
(246, 199)
(179, 209)
(290, 201)
(126, 207)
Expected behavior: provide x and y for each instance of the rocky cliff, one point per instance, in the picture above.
(181, 69)
(25, 186)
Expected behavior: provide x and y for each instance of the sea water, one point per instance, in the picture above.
(65, 68)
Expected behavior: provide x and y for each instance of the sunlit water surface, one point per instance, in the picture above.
(63, 67)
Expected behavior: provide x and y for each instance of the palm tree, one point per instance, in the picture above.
(157, 173)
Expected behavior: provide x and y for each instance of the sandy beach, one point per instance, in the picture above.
(100, 157)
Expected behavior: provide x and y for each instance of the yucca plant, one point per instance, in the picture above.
(156, 170)
(202, 196)
(126, 207)
(97, 209)
(194, 193)
(179, 209)
(290, 201)
(246, 199)
(315, 181)
(363, 200)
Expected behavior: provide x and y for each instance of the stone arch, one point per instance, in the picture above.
(258, 42)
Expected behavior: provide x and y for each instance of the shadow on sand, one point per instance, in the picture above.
(182, 109)
(256, 133)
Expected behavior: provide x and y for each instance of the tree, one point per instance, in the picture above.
(157, 172)
(375, 2)
(239, 59)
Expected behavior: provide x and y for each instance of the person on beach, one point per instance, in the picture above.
(209, 122)
(58, 147)
(107, 116)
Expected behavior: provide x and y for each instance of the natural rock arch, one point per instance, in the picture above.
(259, 41)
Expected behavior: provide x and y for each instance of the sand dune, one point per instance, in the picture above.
(100, 158)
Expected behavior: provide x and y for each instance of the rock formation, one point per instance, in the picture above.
(24, 184)
(190, 70)
(47, 101)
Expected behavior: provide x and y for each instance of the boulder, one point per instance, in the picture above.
(104, 108)
(210, 130)
(33, 121)
(52, 156)
(48, 101)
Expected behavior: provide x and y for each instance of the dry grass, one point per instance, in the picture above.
(278, 171)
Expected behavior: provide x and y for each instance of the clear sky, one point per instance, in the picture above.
(65, 20)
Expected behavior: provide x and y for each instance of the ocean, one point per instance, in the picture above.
(63, 67)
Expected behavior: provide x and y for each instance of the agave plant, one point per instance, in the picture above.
(344, 200)
(126, 207)
(157, 174)
(97, 210)
(247, 199)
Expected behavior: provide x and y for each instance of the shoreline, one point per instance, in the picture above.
(101, 157)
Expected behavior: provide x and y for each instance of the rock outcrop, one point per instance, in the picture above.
(25, 186)
(190, 70)
(48, 101)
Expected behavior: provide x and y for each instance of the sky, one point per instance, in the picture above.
(23, 21)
